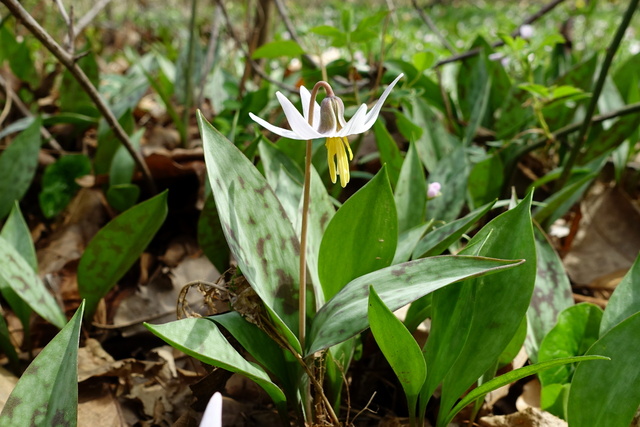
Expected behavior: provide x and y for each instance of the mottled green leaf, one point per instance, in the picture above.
(73, 98)
(512, 377)
(122, 164)
(123, 196)
(108, 143)
(551, 294)
(345, 315)
(576, 330)
(408, 240)
(607, 393)
(18, 165)
(411, 192)
(201, 338)
(256, 227)
(360, 238)
(16, 232)
(500, 302)
(452, 173)
(115, 248)
(47, 392)
(59, 183)
(399, 348)
(625, 300)
(18, 274)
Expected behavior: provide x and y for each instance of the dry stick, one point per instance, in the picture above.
(90, 16)
(528, 20)
(291, 30)
(432, 26)
(25, 112)
(256, 67)
(69, 62)
(593, 102)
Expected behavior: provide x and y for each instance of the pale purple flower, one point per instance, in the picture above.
(434, 190)
(527, 31)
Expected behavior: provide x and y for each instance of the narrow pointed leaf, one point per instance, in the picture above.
(115, 248)
(257, 229)
(361, 237)
(345, 315)
(201, 338)
(399, 348)
(389, 151)
(18, 165)
(411, 192)
(607, 393)
(514, 376)
(18, 274)
(625, 300)
(47, 392)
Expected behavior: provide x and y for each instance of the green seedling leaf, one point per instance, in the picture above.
(485, 181)
(498, 304)
(512, 377)
(47, 392)
(74, 98)
(418, 311)
(514, 346)
(625, 300)
(536, 90)
(201, 338)
(257, 229)
(423, 60)
(439, 239)
(108, 143)
(608, 393)
(408, 240)
(278, 49)
(18, 165)
(123, 165)
(211, 237)
(399, 348)
(16, 232)
(576, 331)
(115, 248)
(551, 294)
(473, 78)
(59, 183)
(345, 315)
(478, 111)
(389, 151)
(18, 274)
(411, 192)
(361, 237)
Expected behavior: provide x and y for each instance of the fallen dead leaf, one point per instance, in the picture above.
(530, 417)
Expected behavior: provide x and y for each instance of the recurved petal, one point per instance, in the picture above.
(373, 114)
(356, 122)
(305, 96)
(297, 123)
(275, 129)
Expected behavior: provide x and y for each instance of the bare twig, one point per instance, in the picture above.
(69, 62)
(6, 109)
(593, 102)
(291, 30)
(432, 26)
(90, 16)
(68, 19)
(528, 20)
(256, 67)
(25, 112)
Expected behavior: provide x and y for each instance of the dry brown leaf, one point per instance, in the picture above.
(530, 417)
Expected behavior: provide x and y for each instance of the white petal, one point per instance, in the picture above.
(305, 96)
(297, 123)
(275, 129)
(373, 114)
(356, 122)
(213, 414)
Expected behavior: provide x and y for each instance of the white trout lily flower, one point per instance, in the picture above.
(213, 414)
(327, 121)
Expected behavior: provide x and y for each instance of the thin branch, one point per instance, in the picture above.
(69, 62)
(291, 29)
(593, 102)
(25, 112)
(90, 16)
(528, 20)
(256, 67)
(432, 26)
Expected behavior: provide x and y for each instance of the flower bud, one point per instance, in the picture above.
(331, 115)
